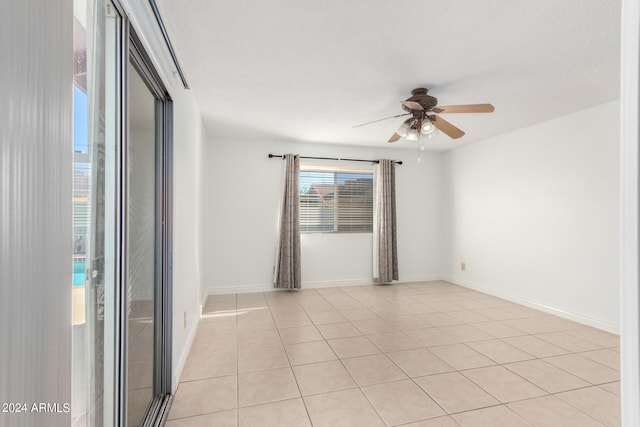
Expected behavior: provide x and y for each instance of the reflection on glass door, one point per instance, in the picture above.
(147, 205)
(142, 247)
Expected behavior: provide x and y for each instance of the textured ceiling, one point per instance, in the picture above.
(308, 70)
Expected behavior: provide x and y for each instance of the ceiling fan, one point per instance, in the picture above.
(424, 120)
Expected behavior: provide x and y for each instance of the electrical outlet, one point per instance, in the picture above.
(185, 319)
(463, 266)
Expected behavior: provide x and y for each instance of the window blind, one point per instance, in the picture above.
(336, 201)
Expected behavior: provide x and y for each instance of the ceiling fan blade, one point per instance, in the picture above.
(412, 105)
(470, 108)
(446, 127)
(394, 137)
(379, 120)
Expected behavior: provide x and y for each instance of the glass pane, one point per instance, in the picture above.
(336, 202)
(141, 253)
(81, 218)
(93, 214)
(355, 203)
(317, 190)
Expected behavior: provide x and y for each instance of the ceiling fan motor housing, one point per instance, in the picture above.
(420, 96)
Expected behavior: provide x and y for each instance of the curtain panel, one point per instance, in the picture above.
(385, 245)
(288, 274)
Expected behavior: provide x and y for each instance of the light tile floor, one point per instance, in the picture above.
(410, 354)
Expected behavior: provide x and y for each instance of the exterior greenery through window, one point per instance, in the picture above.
(336, 202)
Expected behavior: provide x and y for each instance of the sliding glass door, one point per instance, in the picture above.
(148, 241)
(142, 248)
(122, 225)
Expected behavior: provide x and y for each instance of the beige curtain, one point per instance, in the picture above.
(385, 259)
(288, 273)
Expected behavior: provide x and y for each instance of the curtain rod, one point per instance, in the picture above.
(398, 162)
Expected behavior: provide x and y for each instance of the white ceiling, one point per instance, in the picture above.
(309, 70)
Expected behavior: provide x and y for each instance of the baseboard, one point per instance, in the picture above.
(242, 289)
(586, 320)
(204, 301)
(239, 289)
(182, 361)
(421, 278)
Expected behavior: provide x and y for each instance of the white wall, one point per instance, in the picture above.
(534, 215)
(188, 137)
(36, 81)
(242, 193)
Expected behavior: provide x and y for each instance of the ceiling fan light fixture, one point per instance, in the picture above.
(403, 129)
(412, 135)
(426, 127)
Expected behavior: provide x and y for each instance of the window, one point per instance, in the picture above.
(336, 201)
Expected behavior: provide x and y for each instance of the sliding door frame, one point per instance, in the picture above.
(120, 78)
(164, 202)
